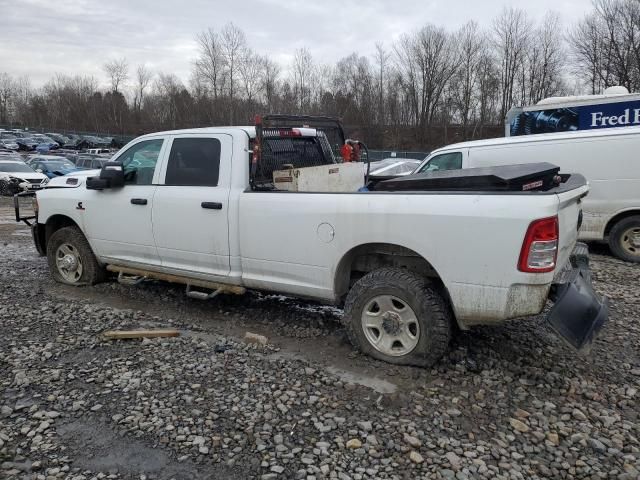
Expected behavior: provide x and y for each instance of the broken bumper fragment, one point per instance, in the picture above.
(578, 312)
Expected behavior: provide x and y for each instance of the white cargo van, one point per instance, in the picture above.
(608, 158)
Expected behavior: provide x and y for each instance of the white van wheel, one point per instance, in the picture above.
(624, 239)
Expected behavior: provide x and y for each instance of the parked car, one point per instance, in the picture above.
(606, 157)
(27, 143)
(9, 143)
(16, 176)
(51, 165)
(392, 167)
(59, 138)
(96, 142)
(407, 266)
(87, 161)
(10, 155)
(44, 140)
(76, 142)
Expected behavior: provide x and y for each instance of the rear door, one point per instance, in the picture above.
(191, 205)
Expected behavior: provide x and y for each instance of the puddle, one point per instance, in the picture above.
(377, 384)
(370, 381)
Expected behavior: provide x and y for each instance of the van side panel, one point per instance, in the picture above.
(611, 164)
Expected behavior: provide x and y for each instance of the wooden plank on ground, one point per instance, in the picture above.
(158, 332)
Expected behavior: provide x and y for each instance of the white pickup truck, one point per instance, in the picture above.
(181, 206)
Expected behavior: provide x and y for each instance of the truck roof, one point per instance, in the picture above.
(541, 137)
(249, 130)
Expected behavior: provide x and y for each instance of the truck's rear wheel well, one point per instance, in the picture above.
(371, 256)
(619, 217)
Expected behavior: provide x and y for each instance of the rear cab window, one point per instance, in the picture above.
(194, 162)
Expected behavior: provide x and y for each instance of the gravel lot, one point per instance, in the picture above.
(508, 402)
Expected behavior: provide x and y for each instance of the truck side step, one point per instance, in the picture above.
(133, 276)
(200, 295)
(130, 280)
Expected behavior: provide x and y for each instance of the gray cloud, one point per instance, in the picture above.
(39, 38)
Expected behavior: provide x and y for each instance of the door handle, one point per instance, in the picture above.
(211, 205)
(139, 201)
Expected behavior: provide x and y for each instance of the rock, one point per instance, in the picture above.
(415, 457)
(198, 440)
(255, 338)
(553, 438)
(597, 445)
(578, 415)
(453, 459)
(354, 443)
(518, 425)
(413, 441)
(366, 426)
(277, 469)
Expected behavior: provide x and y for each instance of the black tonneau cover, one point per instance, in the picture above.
(525, 177)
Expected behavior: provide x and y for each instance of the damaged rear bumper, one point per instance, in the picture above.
(578, 312)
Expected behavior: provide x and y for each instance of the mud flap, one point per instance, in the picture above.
(578, 312)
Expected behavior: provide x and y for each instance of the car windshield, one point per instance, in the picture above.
(15, 167)
(394, 166)
(57, 165)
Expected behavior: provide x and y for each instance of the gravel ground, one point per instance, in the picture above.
(509, 402)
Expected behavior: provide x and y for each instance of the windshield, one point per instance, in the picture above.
(394, 166)
(53, 165)
(15, 167)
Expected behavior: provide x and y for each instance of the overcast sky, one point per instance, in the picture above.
(41, 37)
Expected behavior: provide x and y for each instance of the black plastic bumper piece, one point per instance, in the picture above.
(578, 313)
(38, 234)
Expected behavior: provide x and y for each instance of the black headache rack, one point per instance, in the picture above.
(16, 205)
(330, 126)
(278, 146)
(508, 178)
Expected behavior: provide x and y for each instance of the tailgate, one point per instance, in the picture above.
(569, 220)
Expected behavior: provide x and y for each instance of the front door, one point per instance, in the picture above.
(118, 220)
(191, 205)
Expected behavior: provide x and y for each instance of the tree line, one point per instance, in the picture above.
(430, 87)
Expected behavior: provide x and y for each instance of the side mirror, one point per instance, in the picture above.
(111, 176)
(113, 172)
(39, 170)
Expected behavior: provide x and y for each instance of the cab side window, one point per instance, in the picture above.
(139, 162)
(444, 161)
(194, 162)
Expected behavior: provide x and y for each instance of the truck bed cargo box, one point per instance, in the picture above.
(531, 176)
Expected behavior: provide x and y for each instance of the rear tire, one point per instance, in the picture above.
(71, 259)
(393, 315)
(624, 239)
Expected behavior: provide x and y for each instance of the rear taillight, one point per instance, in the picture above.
(540, 247)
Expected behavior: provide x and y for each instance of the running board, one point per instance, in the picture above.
(133, 276)
(200, 295)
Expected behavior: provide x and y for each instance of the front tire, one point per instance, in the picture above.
(624, 239)
(393, 315)
(71, 260)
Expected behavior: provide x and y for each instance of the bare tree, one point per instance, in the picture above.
(233, 45)
(250, 70)
(302, 71)
(211, 63)
(7, 96)
(382, 61)
(544, 61)
(118, 72)
(511, 34)
(472, 46)
(270, 74)
(426, 62)
(143, 78)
